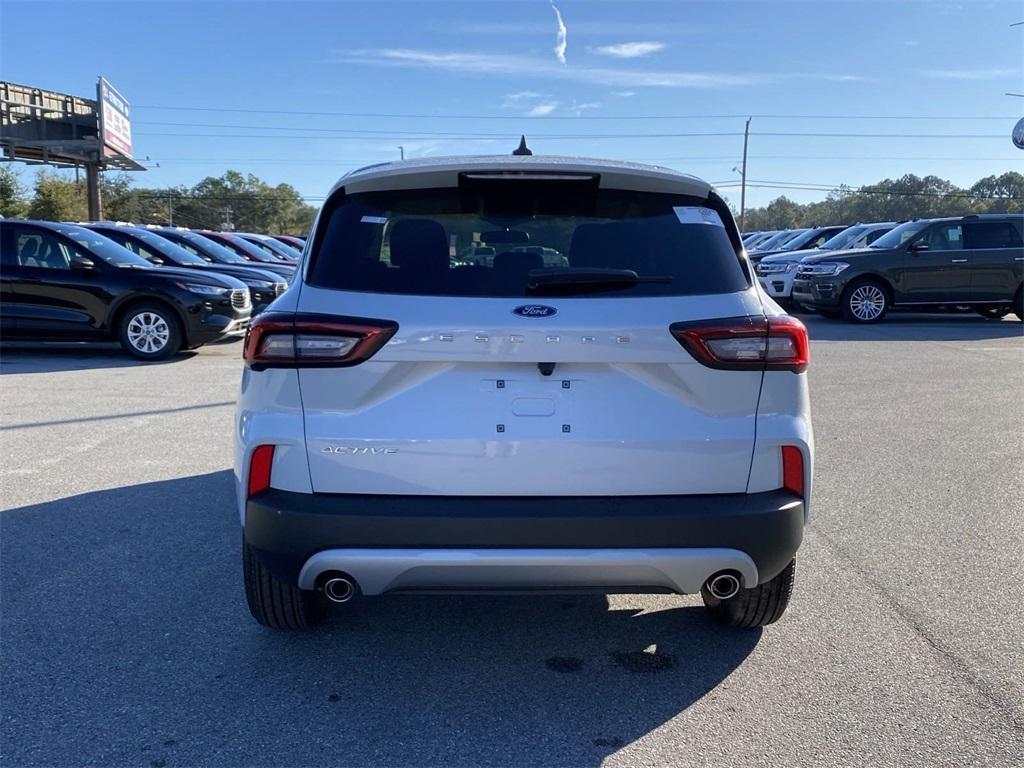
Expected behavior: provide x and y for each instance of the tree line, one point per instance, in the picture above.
(908, 197)
(248, 203)
(242, 202)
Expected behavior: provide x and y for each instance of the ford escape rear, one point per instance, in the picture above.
(635, 420)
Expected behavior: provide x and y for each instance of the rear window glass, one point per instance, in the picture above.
(487, 239)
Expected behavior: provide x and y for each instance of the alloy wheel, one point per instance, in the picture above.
(148, 332)
(867, 302)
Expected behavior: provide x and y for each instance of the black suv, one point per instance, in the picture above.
(63, 282)
(263, 286)
(975, 260)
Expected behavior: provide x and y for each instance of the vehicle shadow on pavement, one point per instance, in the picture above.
(914, 327)
(36, 358)
(126, 641)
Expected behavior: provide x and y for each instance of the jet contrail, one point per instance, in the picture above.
(560, 40)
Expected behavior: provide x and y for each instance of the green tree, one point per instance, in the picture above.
(12, 194)
(58, 199)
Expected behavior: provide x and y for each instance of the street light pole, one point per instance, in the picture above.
(743, 173)
(402, 150)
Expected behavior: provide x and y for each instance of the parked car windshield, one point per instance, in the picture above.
(104, 247)
(844, 238)
(165, 247)
(778, 238)
(409, 241)
(200, 246)
(901, 234)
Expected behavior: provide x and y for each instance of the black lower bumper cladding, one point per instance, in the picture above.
(285, 528)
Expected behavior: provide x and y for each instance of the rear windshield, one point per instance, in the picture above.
(493, 239)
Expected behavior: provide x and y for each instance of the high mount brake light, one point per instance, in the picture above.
(747, 343)
(313, 341)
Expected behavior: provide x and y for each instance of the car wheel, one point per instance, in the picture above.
(755, 607)
(275, 603)
(993, 313)
(150, 332)
(1018, 304)
(865, 301)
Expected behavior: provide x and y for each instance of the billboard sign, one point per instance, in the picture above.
(1018, 134)
(115, 123)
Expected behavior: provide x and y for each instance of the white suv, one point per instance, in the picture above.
(636, 421)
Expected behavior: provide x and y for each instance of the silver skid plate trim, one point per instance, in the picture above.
(378, 571)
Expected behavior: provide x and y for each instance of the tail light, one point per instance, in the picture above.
(259, 469)
(793, 469)
(277, 340)
(747, 343)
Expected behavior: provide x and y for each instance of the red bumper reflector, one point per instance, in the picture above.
(793, 469)
(259, 469)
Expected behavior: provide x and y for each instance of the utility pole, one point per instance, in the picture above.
(170, 209)
(228, 226)
(743, 173)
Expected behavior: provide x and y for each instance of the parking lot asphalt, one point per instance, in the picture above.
(125, 640)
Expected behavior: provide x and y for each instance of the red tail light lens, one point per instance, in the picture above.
(259, 469)
(793, 469)
(313, 341)
(747, 343)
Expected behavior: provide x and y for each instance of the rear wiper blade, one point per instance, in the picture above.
(583, 279)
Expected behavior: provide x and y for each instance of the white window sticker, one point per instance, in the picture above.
(374, 219)
(698, 214)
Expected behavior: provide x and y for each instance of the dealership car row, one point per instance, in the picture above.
(973, 262)
(160, 289)
(156, 290)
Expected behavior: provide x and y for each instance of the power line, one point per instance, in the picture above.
(449, 116)
(426, 136)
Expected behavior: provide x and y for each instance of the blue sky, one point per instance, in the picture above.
(495, 69)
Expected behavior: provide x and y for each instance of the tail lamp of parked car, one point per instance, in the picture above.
(747, 343)
(313, 341)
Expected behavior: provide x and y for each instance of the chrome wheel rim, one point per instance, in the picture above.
(148, 332)
(867, 302)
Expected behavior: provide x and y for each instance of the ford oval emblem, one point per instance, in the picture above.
(535, 310)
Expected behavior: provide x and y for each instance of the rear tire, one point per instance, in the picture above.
(1018, 304)
(275, 603)
(149, 331)
(865, 301)
(755, 607)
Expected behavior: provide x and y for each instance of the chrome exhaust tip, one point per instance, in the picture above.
(723, 585)
(339, 589)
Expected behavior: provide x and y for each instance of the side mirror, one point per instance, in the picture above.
(82, 264)
(919, 247)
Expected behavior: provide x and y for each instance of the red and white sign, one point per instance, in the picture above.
(115, 123)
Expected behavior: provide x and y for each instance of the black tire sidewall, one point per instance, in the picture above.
(174, 338)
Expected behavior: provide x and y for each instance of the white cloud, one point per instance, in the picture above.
(544, 108)
(623, 94)
(561, 40)
(544, 69)
(912, 43)
(969, 74)
(504, 64)
(516, 99)
(630, 50)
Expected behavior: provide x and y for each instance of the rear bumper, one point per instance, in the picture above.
(756, 534)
